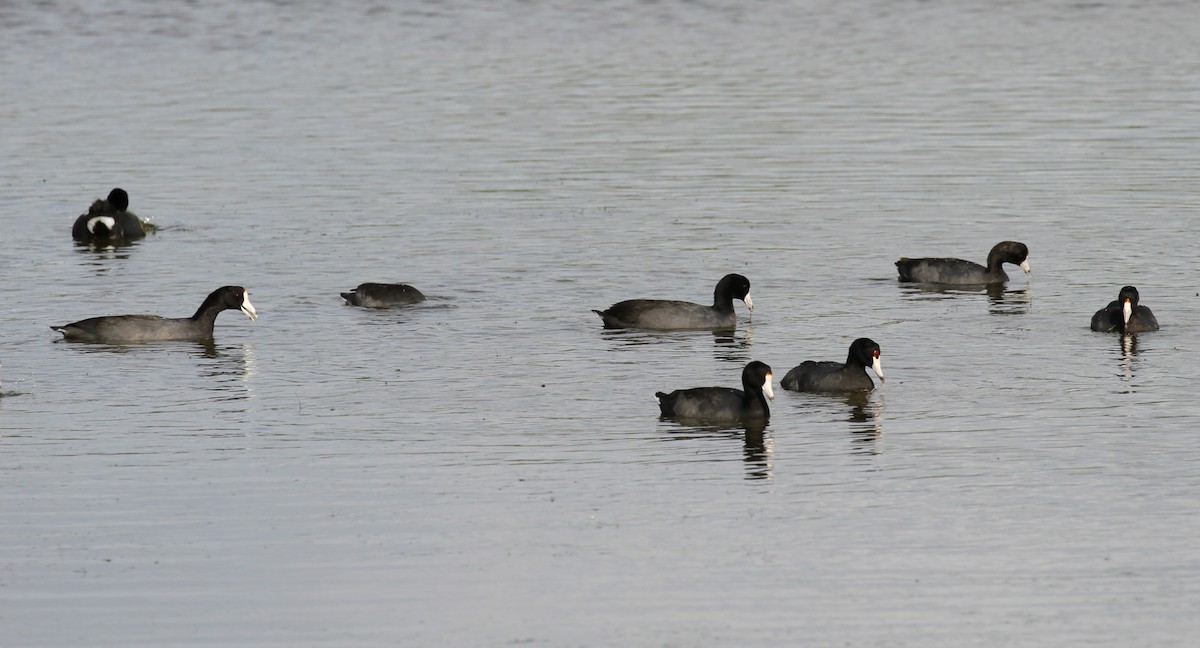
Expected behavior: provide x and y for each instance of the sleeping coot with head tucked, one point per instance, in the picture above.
(128, 329)
(958, 271)
(1125, 315)
(723, 403)
(665, 314)
(828, 376)
(109, 221)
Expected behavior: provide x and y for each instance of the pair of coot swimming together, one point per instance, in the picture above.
(750, 402)
(1124, 315)
(109, 221)
(129, 329)
(664, 314)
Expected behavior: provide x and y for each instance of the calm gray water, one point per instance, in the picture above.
(488, 468)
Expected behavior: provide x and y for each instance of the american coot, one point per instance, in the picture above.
(108, 221)
(664, 314)
(381, 295)
(1125, 315)
(126, 329)
(813, 376)
(958, 271)
(723, 403)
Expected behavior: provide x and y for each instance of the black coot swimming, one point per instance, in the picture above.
(723, 404)
(128, 329)
(664, 314)
(109, 221)
(829, 376)
(1125, 315)
(958, 271)
(382, 295)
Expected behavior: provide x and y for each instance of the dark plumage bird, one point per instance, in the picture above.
(109, 221)
(381, 295)
(958, 271)
(828, 376)
(665, 314)
(128, 329)
(723, 403)
(1125, 315)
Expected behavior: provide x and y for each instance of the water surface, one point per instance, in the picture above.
(488, 468)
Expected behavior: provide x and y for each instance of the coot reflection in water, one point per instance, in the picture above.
(862, 411)
(205, 348)
(757, 446)
(227, 359)
(728, 345)
(1002, 300)
(733, 346)
(1127, 351)
(99, 255)
(865, 411)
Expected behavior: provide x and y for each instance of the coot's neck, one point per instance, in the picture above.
(723, 298)
(996, 259)
(754, 394)
(852, 360)
(206, 315)
(995, 270)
